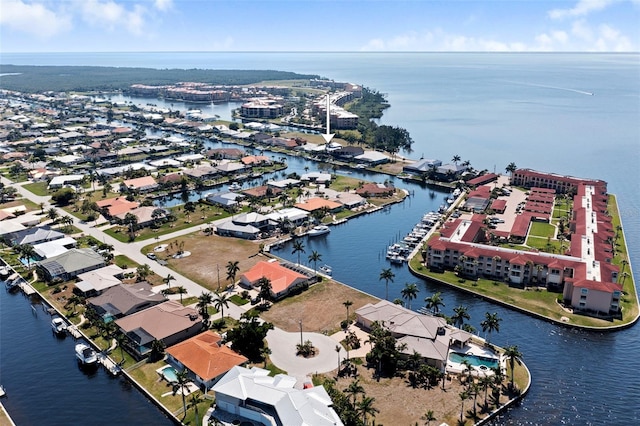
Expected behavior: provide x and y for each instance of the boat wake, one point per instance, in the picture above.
(544, 86)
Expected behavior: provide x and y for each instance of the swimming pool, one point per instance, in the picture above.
(474, 360)
(169, 373)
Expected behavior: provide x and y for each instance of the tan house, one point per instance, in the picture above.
(168, 322)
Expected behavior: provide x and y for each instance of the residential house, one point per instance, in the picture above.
(70, 264)
(36, 235)
(94, 282)
(283, 280)
(205, 358)
(254, 395)
(141, 184)
(428, 335)
(115, 206)
(168, 322)
(125, 299)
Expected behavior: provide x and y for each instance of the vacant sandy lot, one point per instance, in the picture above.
(320, 308)
(209, 257)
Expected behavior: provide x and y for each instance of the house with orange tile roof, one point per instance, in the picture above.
(313, 204)
(141, 184)
(117, 205)
(283, 280)
(205, 358)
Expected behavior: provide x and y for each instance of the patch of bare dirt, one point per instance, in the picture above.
(320, 308)
(209, 257)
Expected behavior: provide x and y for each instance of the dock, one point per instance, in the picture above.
(27, 289)
(109, 364)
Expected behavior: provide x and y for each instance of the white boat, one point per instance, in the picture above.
(397, 259)
(326, 269)
(85, 354)
(235, 186)
(4, 271)
(318, 230)
(58, 325)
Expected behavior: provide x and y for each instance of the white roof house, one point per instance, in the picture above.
(54, 248)
(59, 181)
(279, 401)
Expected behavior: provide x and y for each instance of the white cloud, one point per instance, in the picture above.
(112, 16)
(439, 40)
(33, 18)
(163, 5)
(582, 8)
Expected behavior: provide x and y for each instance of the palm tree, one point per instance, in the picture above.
(387, 275)
(265, 351)
(220, 302)
(26, 252)
(455, 159)
(347, 304)
(193, 403)
(513, 355)
(366, 408)
(204, 301)
(52, 214)
(315, 257)
(182, 377)
(459, 315)
(168, 280)
(511, 167)
(410, 292)
(354, 389)
(232, 270)
(428, 417)
(490, 323)
(298, 247)
(181, 290)
(463, 397)
(143, 271)
(434, 302)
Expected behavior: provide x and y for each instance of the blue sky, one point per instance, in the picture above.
(319, 25)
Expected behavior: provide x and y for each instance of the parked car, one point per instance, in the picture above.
(152, 256)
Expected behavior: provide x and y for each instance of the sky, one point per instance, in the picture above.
(319, 25)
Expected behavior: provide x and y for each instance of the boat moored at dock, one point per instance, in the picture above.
(86, 355)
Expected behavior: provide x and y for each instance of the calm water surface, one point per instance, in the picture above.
(573, 114)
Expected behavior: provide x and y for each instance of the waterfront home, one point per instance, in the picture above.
(226, 200)
(232, 229)
(54, 248)
(428, 335)
(293, 215)
(141, 184)
(225, 153)
(315, 204)
(125, 299)
(94, 282)
(168, 322)
(254, 395)
(145, 215)
(114, 206)
(69, 264)
(283, 280)
(32, 236)
(422, 166)
(205, 358)
(375, 190)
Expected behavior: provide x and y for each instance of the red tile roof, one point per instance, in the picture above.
(205, 356)
(281, 278)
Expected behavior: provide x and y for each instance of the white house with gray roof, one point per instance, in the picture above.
(273, 401)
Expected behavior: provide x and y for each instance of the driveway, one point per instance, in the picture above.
(283, 353)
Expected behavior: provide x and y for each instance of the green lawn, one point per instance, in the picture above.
(38, 188)
(541, 229)
(237, 300)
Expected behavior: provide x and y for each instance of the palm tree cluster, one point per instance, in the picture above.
(385, 352)
(352, 404)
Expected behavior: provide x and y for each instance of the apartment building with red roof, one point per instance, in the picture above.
(585, 275)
